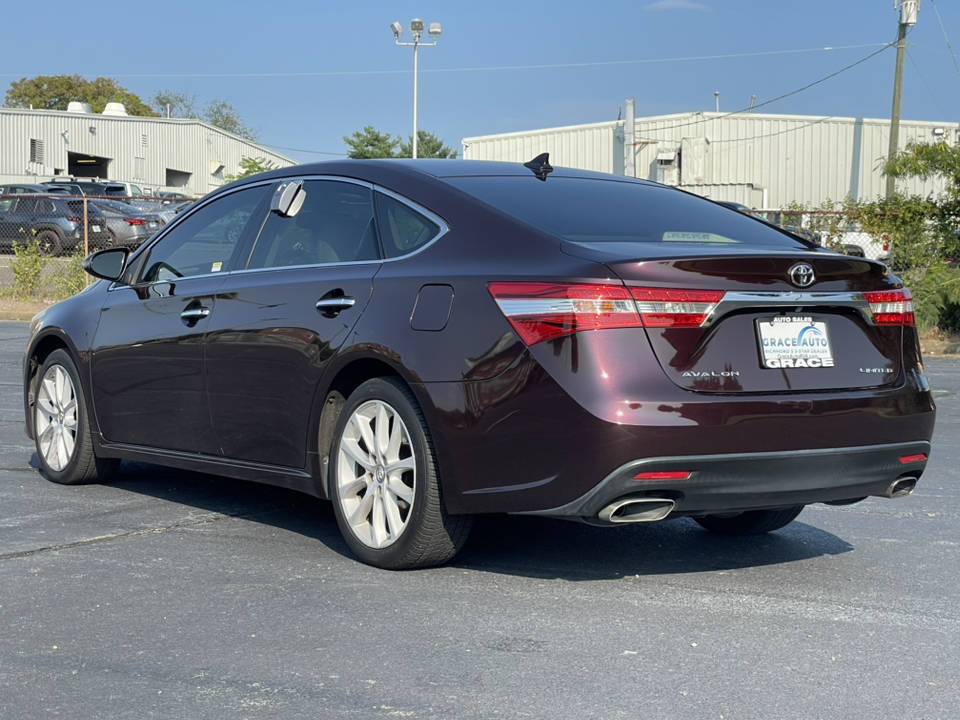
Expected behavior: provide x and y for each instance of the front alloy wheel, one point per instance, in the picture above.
(61, 427)
(57, 418)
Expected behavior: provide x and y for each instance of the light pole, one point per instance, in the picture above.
(416, 28)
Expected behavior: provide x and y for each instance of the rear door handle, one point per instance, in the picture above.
(331, 307)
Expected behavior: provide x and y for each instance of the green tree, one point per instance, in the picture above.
(428, 146)
(54, 92)
(927, 161)
(223, 115)
(250, 166)
(219, 113)
(176, 104)
(369, 143)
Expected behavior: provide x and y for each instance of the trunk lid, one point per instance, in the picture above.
(770, 326)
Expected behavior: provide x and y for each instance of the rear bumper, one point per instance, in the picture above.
(740, 482)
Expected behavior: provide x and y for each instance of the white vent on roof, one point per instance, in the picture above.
(79, 107)
(115, 108)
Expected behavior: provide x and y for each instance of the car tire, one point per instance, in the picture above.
(61, 427)
(49, 243)
(752, 522)
(384, 481)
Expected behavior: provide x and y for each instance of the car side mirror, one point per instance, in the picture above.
(107, 264)
(288, 199)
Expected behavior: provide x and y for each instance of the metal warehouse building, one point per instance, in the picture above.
(185, 155)
(763, 161)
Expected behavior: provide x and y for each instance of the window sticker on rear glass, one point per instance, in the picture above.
(790, 341)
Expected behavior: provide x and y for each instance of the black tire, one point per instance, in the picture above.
(61, 428)
(394, 487)
(49, 243)
(752, 522)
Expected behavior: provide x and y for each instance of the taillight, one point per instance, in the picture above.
(544, 311)
(675, 308)
(74, 219)
(892, 307)
(136, 221)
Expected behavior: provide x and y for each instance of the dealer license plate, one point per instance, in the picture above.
(793, 341)
(95, 228)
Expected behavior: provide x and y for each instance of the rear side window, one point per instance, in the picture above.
(588, 211)
(402, 228)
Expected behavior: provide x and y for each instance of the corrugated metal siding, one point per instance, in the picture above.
(140, 149)
(787, 158)
(588, 147)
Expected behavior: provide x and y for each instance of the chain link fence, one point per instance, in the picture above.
(44, 236)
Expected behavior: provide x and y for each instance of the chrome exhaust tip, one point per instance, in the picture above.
(901, 487)
(634, 510)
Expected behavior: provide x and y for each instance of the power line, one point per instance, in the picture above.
(496, 68)
(924, 81)
(945, 38)
(785, 95)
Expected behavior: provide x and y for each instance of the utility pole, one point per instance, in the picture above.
(908, 18)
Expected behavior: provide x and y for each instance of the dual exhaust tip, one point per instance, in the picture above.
(635, 510)
(901, 487)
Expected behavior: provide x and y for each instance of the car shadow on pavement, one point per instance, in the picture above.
(548, 548)
(528, 546)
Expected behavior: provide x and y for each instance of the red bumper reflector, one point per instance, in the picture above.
(908, 459)
(663, 475)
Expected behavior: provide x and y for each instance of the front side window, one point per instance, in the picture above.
(334, 225)
(206, 241)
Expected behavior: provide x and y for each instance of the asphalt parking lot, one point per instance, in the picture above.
(168, 594)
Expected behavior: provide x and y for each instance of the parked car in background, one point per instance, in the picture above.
(164, 208)
(21, 188)
(127, 225)
(55, 221)
(422, 341)
(100, 189)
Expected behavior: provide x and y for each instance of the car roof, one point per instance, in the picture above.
(397, 170)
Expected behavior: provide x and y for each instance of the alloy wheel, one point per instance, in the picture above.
(57, 418)
(376, 474)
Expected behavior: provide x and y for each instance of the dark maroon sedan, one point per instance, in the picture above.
(422, 341)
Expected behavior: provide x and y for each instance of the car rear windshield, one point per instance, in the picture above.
(589, 210)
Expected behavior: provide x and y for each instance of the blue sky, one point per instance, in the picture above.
(305, 73)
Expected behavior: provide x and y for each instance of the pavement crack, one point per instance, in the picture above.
(121, 536)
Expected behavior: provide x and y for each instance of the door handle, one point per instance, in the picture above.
(331, 307)
(341, 303)
(191, 316)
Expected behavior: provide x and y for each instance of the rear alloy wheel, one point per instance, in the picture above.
(60, 426)
(49, 243)
(384, 482)
(752, 522)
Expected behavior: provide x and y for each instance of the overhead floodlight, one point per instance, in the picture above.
(397, 29)
(435, 29)
(416, 25)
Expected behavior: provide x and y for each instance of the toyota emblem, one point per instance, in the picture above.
(801, 275)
